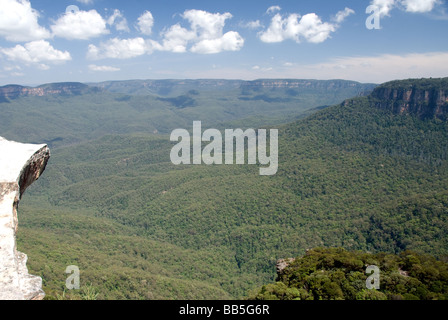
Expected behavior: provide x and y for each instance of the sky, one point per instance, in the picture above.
(374, 41)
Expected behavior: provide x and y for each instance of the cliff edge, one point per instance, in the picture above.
(424, 98)
(20, 165)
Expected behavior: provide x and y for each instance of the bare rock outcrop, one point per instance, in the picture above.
(281, 265)
(20, 165)
(424, 98)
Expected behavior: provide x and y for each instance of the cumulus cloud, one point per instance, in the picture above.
(205, 24)
(119, 21)
(253, 24)
(415, 6)
(205, 34)
(36, 53)
(94, 67)
(231, 41)
(145, 23)
(273, 9)
(419, 5)
(309, 28)
(82, 25)
(19, 22)
(175, 39)
(119, 49)
(343, 14)
(384, 6)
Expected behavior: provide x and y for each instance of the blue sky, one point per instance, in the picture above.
(41, 41)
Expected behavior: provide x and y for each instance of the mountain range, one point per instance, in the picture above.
(361, 166)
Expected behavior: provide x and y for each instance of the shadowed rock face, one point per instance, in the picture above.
(20, 166)
(425, 98)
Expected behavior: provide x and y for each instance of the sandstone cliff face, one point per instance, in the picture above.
(421, 99)
(11, 92)
(20, 166)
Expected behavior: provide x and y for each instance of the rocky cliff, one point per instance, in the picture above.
(425, 98)
(20, 166)
(11, 92)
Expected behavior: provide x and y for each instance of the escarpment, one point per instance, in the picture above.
(20, 165)
(11, 92)
(425, 98)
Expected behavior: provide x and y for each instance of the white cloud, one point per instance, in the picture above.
(419, 5)
(119, 49)
(205, 24)
(343, 14)
(299, 28)
(145, 23)
(176, 39)
(415, 6)
(309, 27)
(119, 21)
(384, 6)
(94, 67)
(275, 32)
(273, 9)
(36, 53)
(231, 41)
(205, 34)
(81, 25)
(253, 24)
(19, 21)
(85, 1)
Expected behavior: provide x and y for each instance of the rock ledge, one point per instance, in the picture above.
(20, 165)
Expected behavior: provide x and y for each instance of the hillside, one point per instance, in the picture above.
(355, 175)
(69, 113)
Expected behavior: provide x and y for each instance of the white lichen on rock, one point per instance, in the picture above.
(20, 165)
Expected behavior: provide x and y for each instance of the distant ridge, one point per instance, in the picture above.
(176, 87)
(170, 87)
(10, 92)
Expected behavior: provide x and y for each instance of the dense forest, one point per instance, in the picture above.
(337, 274)
(350, 176)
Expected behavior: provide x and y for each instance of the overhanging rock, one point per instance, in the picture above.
(20, 165)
